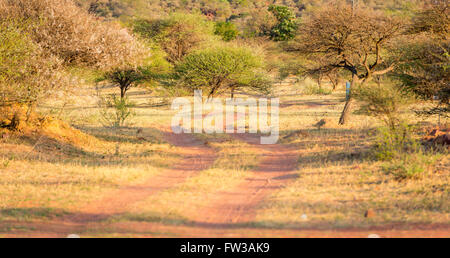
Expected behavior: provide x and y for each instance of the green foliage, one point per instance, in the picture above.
(286, 27)
(26, 73)
(411, 166)
(425, 57)
(393, 143)
(404, 156)
(383, 102)
(425, 72)
(223, 68)
(226, 30)
(126, 78)
(116, 111)
(424, 68)
(15, 47)
(178, 35)
(315, 90)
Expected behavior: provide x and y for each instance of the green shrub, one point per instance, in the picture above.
(226, 30)
(223, 68)
(411, 166)
(27, 74)
(178, 35)
(404, 156)
(392, 143)
(115, 111)
(384, 102)
(286, 26)
(125, 78)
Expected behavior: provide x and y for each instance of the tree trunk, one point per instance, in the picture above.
(319, 81)
(232, 92)
(122, 92)
(348, 105)
(346, 112)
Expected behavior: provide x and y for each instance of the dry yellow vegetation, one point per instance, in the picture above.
(56, 171)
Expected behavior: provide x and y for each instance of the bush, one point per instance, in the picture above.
(425, 57)
(178, 35)
(384, 102)
(125, 78)
(226, 30)
(411, 166)
(62, 29)
(116, 111)
(286, 27)
(393, 143)
(405, 158)
(40, 40)
(258, 23)
(27, 74)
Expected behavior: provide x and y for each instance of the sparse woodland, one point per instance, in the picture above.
(86, 85)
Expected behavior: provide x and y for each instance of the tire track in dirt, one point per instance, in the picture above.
(238, 205)
(197, 157)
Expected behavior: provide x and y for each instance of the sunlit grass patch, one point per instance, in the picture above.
(339, 178)
(41, 184)
(338, 197)
(25, 214)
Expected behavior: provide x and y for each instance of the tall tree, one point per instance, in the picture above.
(355, 40)
(426, 68)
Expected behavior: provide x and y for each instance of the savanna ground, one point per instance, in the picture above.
(98, 181)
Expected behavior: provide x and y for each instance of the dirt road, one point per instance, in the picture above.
(238, 205)
(196, 157)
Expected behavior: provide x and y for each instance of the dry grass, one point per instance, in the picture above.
(59, 169)
(338, 180)
(181, 204)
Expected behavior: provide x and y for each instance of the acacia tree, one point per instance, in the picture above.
(351, 40)
(124, 78)
(221, 69)
(40, 39)
(426, 68)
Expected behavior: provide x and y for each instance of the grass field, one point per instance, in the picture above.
(49, 175)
